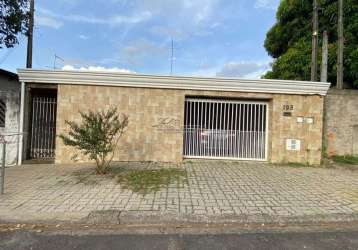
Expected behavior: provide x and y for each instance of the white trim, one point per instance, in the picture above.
(267, 134)
(199, 99)
(21, 125)
(172, 82)
(222, 158)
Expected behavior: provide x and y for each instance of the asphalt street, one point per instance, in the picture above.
(56, 240)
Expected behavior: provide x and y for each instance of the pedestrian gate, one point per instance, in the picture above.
(231, 129)
(43, 127)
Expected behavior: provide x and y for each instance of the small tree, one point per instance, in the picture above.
(97, 136)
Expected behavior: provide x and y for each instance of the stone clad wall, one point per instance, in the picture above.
(145, 107)
(145, 140)
(341, 122)
(287, 127)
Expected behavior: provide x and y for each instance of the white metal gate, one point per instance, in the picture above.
(43, 127)
(225, 129)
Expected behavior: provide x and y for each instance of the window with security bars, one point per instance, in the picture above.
(2, 113)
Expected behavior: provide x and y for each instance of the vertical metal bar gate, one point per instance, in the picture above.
(43, 127)
(225, 129)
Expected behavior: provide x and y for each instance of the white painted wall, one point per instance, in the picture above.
(10, 91)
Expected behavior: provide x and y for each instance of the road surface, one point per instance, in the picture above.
(25, 239)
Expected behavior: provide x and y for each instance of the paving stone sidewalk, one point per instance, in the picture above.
(215, 189)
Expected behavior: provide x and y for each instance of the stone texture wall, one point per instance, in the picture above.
(10, 93)
(341, 122)
(287, 127)
(145, 141)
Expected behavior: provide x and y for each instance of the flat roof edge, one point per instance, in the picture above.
(172, 82)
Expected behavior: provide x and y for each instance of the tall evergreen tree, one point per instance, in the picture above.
(289, 40)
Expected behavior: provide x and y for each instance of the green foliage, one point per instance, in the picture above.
(13, 21)
(289, 40)
(345, 159)
(294, 64)
(97, 136)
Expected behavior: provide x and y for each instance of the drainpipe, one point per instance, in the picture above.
(21, 125)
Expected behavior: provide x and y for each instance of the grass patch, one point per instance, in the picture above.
(345, 159)
(139, 177)
(150, 180)
(297, 164)
(292, 164)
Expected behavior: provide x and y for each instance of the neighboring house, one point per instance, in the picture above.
(175, 118)
(9, 113)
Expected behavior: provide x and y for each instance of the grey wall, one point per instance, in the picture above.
(341, 122)
(10, 91)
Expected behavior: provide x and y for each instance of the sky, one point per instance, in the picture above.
(211, 38)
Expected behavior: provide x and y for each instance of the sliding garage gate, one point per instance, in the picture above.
(225, 129)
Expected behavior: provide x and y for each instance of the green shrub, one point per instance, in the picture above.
(97, 136)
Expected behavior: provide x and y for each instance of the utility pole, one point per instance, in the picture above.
(324, 64)
(340, 46)
(30, 34)
(314, 42)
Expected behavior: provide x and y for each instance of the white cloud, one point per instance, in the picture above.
(180, 19)
(197, 10)
(267, 4)
(111, 20)
(83, 37)
(97, 68)
(140, 49)
(167, 31)
(249, 70)
(48, 22)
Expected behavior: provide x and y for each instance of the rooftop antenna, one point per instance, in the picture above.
(172, 58)
(55, 59)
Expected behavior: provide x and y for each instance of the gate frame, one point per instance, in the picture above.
(30, 94)
(238, 101)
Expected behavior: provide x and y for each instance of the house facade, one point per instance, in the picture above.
(9, 114)
(175, 118)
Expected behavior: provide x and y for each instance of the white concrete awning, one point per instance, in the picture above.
(172, 82)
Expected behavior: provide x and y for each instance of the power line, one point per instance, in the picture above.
(9, 51)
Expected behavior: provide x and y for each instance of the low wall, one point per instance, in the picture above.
(147, 107)
(341, 122)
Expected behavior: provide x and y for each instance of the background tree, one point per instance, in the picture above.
(97, 136)
(13, 21)
(289, 40)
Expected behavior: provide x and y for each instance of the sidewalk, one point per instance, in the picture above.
(215, 192)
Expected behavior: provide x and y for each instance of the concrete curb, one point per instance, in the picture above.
(160, 218)
(118, 217)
